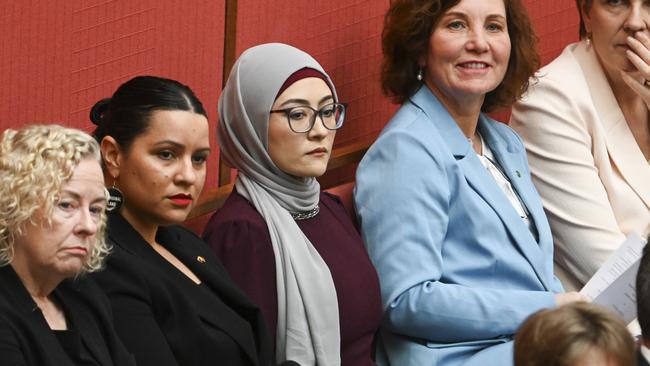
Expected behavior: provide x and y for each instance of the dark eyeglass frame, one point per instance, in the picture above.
(317, 112)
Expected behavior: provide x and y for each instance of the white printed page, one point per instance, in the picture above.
(614, 284)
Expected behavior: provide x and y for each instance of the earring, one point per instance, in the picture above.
(420, 74)
(588, 40)
(115, 199)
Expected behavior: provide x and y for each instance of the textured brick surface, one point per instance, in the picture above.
(343, 35)
(58, 57)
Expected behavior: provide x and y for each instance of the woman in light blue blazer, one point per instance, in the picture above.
(447, 209)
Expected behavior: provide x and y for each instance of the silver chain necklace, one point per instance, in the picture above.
(304, 215)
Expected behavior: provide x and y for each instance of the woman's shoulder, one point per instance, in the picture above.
(236, 209)
(564, 73)
(237, 214)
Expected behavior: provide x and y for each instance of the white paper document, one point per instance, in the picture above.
(614, 284)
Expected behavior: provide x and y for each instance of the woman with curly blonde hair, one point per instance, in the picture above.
(52, 202)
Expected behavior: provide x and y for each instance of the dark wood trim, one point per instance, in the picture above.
(229, 53)
(350, 153)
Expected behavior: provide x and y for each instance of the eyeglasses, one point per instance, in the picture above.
(302, 119)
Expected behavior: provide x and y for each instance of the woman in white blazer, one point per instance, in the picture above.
(585, 127)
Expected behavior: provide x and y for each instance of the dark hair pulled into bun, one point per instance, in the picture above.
(98, 110)
(127, 114)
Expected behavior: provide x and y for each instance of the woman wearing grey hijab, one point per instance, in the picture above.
(292, 248)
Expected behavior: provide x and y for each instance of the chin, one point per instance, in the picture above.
(175, 217)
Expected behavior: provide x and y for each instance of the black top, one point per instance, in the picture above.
(75, 347)
(26, 338)
(164, 318)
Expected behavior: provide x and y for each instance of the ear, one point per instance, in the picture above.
(112, 156)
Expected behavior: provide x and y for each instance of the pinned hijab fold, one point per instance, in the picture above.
(308, 319)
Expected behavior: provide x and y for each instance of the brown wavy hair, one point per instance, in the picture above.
(408, 26)
(580, 4)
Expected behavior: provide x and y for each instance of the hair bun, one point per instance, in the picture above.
(98, 110)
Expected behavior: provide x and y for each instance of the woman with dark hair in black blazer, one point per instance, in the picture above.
(174, 303)
(52, 201)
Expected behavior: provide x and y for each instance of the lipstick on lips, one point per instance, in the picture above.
(181, 199)
(321, 151)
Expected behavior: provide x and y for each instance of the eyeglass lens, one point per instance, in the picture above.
(303, 118)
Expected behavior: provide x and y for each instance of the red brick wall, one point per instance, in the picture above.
(58, 57)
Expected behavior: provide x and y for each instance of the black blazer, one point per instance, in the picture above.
(155, 319)
(26, 338)
(640, 360)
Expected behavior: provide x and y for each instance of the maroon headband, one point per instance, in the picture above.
(303, 73)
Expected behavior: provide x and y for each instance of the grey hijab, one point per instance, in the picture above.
(308, 319)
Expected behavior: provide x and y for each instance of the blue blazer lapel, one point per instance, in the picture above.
(479, 179)
(509, 156)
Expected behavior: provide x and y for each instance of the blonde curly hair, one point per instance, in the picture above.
(35, 162)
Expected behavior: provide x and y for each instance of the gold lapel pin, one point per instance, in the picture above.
(200, 259)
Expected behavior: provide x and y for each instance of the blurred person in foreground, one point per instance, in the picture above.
(577, 334)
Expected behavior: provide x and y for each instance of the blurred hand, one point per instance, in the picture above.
(569, 297)
(639, 56)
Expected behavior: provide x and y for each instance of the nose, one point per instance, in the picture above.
(186, 173)
(87, 224)
(318, 131)
(636, 18)
(477, 41)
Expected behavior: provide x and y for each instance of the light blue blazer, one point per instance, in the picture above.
(459, 269)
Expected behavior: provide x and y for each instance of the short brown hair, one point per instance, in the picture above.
(561, 336)
(408, 25)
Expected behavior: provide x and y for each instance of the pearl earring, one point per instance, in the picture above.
(420, 74)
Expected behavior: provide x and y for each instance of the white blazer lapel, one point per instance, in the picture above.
(621, 145)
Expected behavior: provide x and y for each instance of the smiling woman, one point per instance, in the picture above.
(52, 222)
(463, 250)
(175, 304)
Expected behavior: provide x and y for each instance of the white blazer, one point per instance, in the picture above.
(586, 165)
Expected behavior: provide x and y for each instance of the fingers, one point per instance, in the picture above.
(639, 53)
(639, 86)
(569, 297)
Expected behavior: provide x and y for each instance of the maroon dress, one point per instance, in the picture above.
(239, 236)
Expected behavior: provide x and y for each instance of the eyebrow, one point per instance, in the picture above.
(305, 101)
(464, 16)
(77, 196)
(178, 145)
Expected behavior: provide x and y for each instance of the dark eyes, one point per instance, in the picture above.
(456, 25)
(459, 25)
(169, 155)
(68, 206)
(199, 159)
(165, 155)
(327, 112)
(297, 114)
(65, 205)
(97, 210)
(494, 27)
